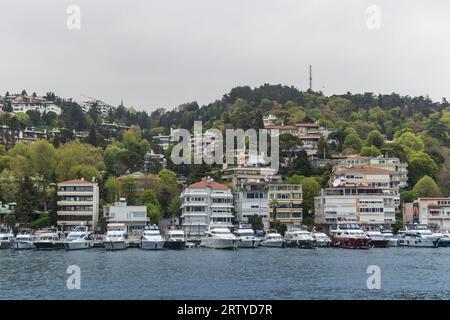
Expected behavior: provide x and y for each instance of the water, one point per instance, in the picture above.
(201, 273)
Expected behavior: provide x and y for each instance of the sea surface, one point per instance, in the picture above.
(201, 273)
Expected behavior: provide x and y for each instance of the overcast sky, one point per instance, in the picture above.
(167, 52)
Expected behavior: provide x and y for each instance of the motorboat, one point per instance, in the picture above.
(220, 238)
(321, 238)
(79, 238)
(151, 239)
(349, 236)
(392, 240)
(300, 239)
(175, 239)
(24, 240)
(377, 239)
(49, 239)
(246, 236)
(418, 235)
(116, 237)
(273, 239)
(6, 238)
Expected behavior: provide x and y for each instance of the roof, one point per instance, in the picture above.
(281, 127)
(364, 169)
(76, 181)
(209, 184)
(310, 125)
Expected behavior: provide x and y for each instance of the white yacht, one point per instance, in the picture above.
(24, 240)
(321, 238)
(49, 239)
(246, 237)
(273, 239)
(6, 238)
(392, 240)
(151, 239)
(300, 239)
(116, 237)
(220, 238)
(79, 238)
(418, 235)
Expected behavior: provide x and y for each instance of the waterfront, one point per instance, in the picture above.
(200, 273)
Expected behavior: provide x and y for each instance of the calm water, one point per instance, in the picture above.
(200, 273)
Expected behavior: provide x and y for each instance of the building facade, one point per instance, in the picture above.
(286, 204)
(135, 217)
(432, 211)
(206, 204)
(78, 203)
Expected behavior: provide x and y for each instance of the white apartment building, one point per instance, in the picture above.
(389, 164)
(204, 204)
(361, 204)
(251, 197)
(78, 203)
(25, 103)
(103, 108)
(135, 217)
(367, 176)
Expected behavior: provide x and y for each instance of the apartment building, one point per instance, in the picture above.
(367, 176)
(251, 197)
(286, 204)
(204, 204)
(135, 217)
(78, 203)
(23, 103)
(361, 204)
(432, 211)
(389, 164)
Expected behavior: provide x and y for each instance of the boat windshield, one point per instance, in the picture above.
(74, 236)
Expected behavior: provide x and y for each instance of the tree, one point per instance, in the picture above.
(419, 165)
(112, 189)
(175, 207)
(149, 197)
(410, 141)
(43, 156)
(353, 141)
(375, 138)
(407, 196)
(128, 188)
(287, 144)
(10, 220)
(154, 213)
(371, 151)
(92, 137)
(168, 176)
(26, 200)
(256, 222)
(426, 187)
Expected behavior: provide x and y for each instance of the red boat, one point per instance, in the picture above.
(349, 236)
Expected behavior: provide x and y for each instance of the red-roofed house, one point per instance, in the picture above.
(206, 203)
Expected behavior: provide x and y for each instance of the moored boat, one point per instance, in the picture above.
(175, 239)
(418, 235)
(6, 238)
(273, 239)
(49, 239)
(349, 236)
(24, 240)
(116, 237)
(79, 238)
(392, 240)
(377, 240)
(246, 237)
(300, 239)
(321, 238)
(220, 238)
(151, 239)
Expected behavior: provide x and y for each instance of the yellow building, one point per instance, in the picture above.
(286, 204)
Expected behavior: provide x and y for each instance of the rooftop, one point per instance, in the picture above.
(209, 184)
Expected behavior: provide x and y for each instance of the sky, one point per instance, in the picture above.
(162, 53)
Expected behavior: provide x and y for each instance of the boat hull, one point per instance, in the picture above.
(350, 243)
(301, 244)
(6, 244)
(392, 242)
(423, 243)
(115, 245)
(220, 243)
(53, 245)
(323, 244)
(23, 245)
(73, 245)
(175, 245)
(273, 244)
(152, 245)
(248, 243)
(379, 243)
